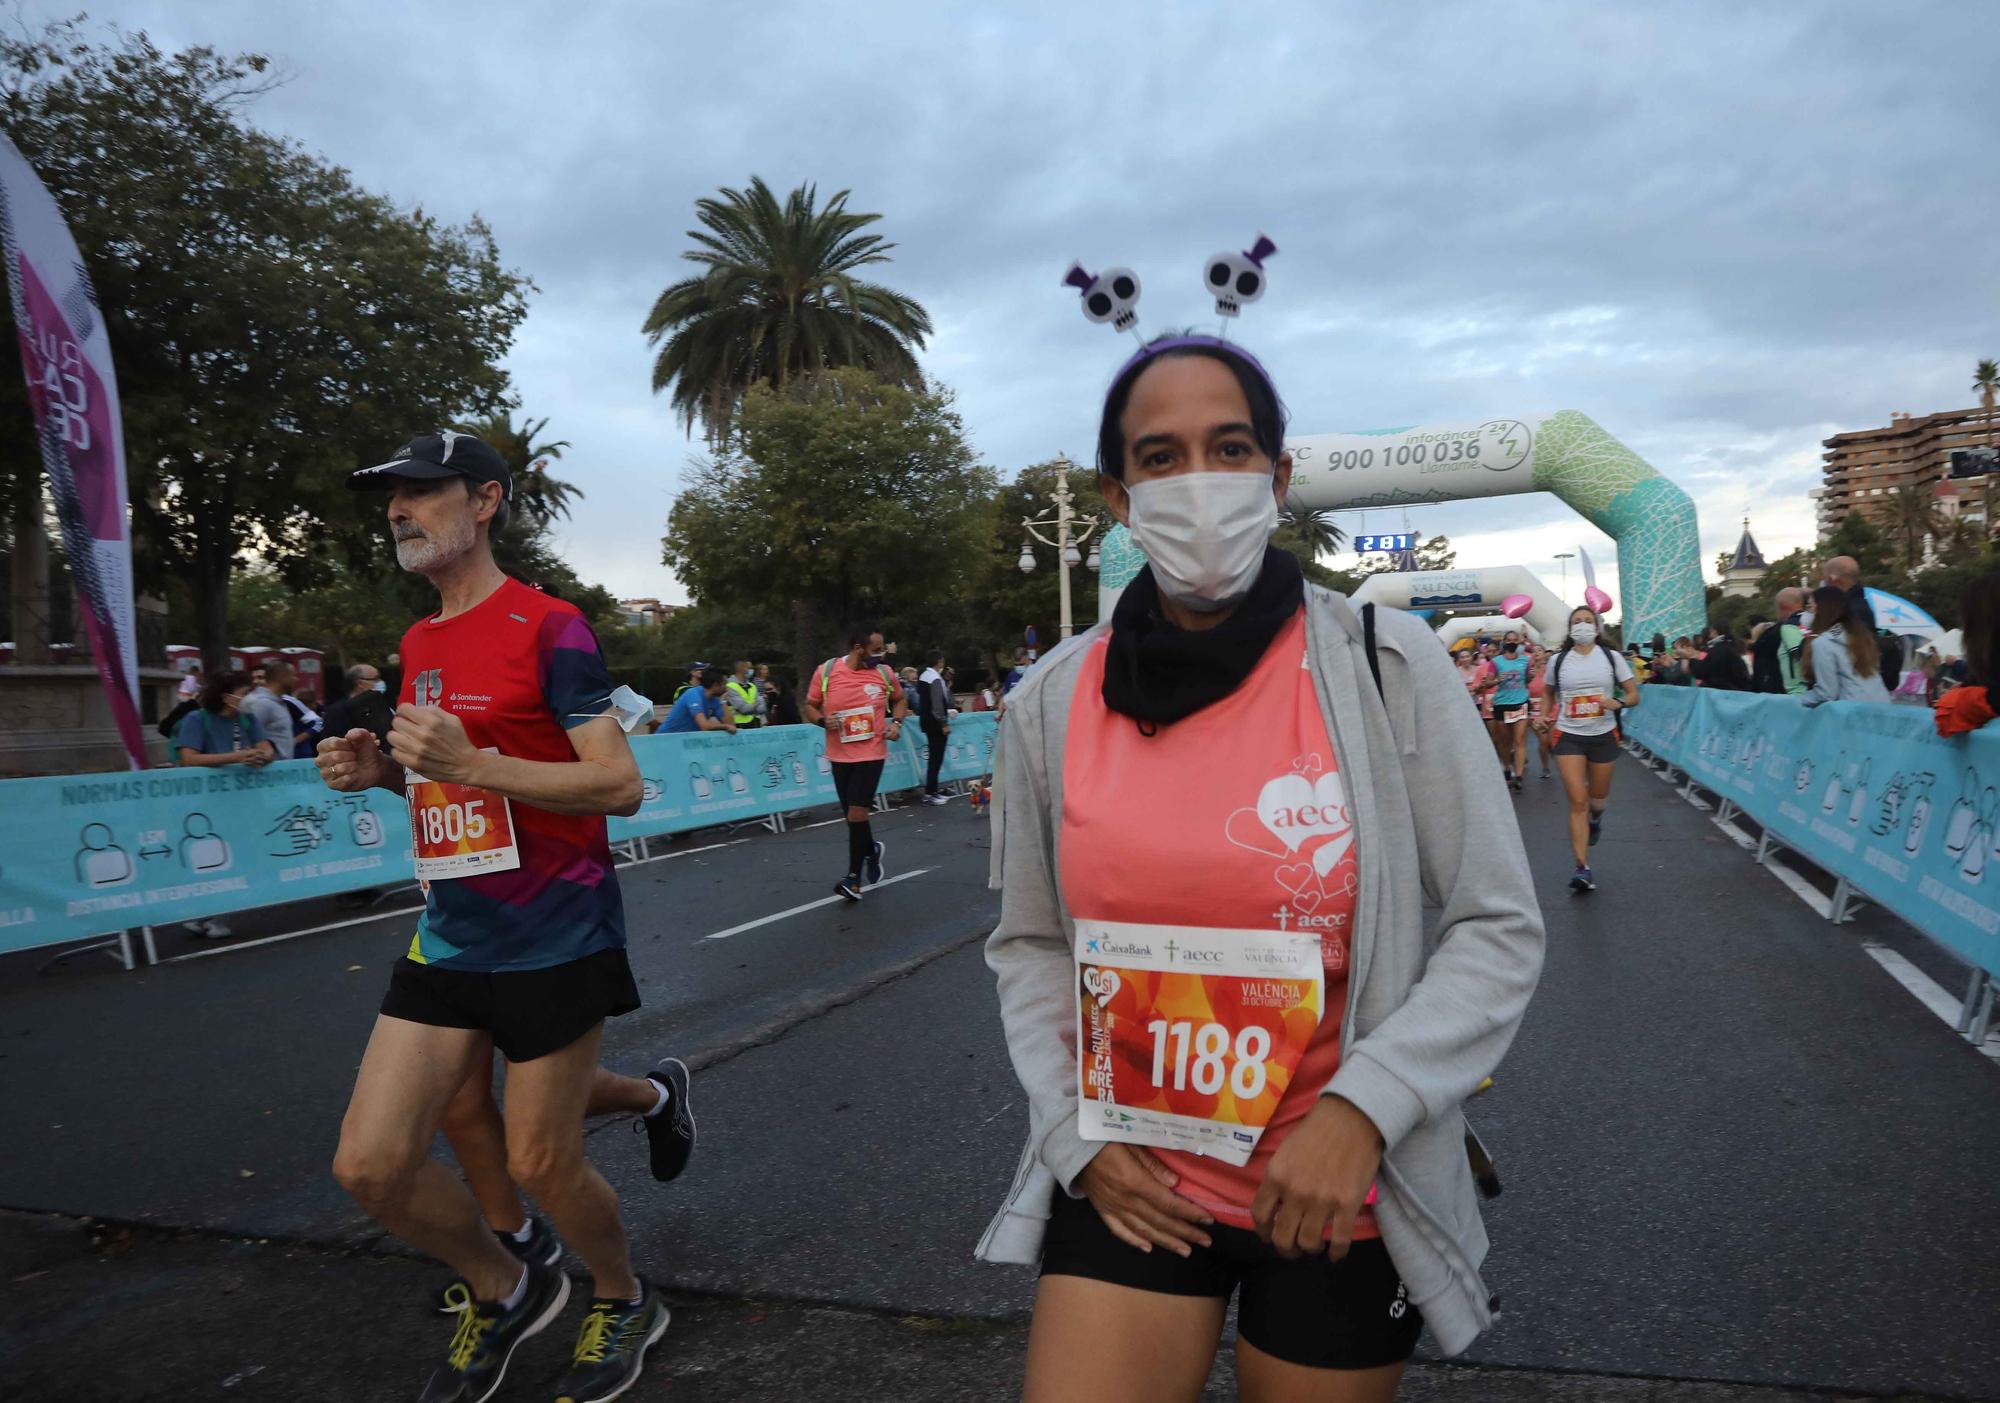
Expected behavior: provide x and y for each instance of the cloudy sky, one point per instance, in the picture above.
(1724, 232)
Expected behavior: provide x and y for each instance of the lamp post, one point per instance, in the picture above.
(1565, 557)
(1071, 532)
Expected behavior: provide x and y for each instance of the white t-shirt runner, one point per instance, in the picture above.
(1589, 681)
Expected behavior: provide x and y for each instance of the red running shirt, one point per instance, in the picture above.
(1187, 827)
(861, 697)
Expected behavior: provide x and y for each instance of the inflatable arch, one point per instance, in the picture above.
(1614, 489)
(1447, 589)
(1492, 625)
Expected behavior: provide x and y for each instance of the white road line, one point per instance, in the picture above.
(810, 906)
(1805, 891)
(1928, 991)
(690, 852)
(288, 935)
(884, 813)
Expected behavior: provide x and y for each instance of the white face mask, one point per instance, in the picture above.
(1204, 533)
(1581, 634)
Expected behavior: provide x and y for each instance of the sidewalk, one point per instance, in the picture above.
(101, 1314)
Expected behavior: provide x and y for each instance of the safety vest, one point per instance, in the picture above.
(746, 693)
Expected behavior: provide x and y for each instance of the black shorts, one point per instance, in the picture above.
(1598, 750)
(1511, 715)
(529, 1012)
(856, 781)
(1351, 1314)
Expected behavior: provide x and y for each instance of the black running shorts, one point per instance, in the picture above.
(529, 1012)
(1598, 750)
(856, 781)
(1351, 1314)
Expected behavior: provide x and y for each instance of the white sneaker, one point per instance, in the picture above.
(937, 799)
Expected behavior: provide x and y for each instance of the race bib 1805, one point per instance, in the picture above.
(459, 830)
(1188, 1036)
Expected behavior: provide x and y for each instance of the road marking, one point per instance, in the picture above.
(878, 813)
(289, 935)
(1928, 991)
(690, 852)
(811, 906)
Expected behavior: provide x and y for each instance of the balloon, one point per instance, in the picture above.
(1597, 599)
(1516, 606)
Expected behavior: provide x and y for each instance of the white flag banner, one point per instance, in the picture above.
(66, 357)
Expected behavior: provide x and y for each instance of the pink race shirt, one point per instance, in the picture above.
(1233, 818)
(860, 699)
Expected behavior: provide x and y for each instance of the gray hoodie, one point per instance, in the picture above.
(1834, 677)
(1427, 1019)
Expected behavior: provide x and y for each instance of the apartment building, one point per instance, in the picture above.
(1860, 469)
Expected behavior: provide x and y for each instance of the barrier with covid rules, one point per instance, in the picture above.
(85, 855)
(1871, 794)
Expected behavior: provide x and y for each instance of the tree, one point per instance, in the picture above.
(1960, 540)
(1860, 538)
(1002, 601)
(1435, 553)
(536, 493)
(274, 325)
(836, 498)
(1316, 531)
(777, 298)
(1913, 515)
(1986, 384)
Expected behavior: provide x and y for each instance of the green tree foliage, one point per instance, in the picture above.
(777, 297)
(836, 500)
(536, 493)
(1913, 515)
(274, 325)
(1986, 384)
(1871, 548)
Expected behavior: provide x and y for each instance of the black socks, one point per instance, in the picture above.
(860, 845)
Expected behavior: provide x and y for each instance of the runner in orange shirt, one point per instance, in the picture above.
(860, 702)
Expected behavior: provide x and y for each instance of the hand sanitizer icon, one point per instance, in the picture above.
(364, 827)
(798, 769)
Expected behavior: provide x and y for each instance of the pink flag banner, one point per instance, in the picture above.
(66, 356)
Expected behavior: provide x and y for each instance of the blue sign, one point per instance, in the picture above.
(1867, 792)
(1375, 545)
(85, 855)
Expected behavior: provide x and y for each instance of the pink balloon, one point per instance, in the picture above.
(1597, 599)
(1516, 606)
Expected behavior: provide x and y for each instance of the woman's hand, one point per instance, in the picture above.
(1318, 1180)
(1134, 1194)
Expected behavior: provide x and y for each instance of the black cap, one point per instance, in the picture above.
(443, 454)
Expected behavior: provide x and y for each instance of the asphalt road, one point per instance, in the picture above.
(1736, 1152)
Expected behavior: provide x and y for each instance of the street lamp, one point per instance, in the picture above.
(1565, 557)
(1071, 532)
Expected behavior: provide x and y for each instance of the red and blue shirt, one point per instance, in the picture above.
(519, 669)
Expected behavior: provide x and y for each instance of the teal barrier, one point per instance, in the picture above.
(84, 855)
(1871, 794)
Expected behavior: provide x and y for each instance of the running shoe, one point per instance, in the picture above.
(1581, 881)
(487, 1336)
(849, 887)
(1596, 827)
(1514, 783)
(669, 1130)
(611, 1347)
(937, 799)
(875, 863)
(542, 1246)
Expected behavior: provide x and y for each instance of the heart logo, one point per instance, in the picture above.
(1295, 808)
(1327, 855)
(1294, 878)
(1244, 830)
(1103, 983)
(1307, 901)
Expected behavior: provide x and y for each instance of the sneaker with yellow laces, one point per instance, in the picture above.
(488, 1333)
(611, 1347)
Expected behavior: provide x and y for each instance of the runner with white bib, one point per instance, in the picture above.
(1216, 820)
(1586, 687)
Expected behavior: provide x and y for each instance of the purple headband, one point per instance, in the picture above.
(1174, 343)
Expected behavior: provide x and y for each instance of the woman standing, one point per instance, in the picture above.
(1510, 711)
(1588, 686)
(1844, 662)
(220, 731)
(1213, 837)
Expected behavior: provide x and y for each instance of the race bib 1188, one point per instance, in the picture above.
(1188, 1036)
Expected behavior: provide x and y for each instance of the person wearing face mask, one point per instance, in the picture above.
(1588, 685)
(1208, 802)
(1510, 711)
(366, 705)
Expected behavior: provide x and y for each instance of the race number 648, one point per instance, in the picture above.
(451, 823)
(1201, 1057)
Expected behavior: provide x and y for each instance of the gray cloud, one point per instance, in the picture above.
(1721, 233)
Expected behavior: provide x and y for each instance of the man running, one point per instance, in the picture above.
(853, 699)
(512, 754)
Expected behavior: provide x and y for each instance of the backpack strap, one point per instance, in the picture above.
(1368, 643)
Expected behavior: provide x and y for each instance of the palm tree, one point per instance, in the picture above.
(536, 493)
(1913, 515)
(777, 297)
(1318, 531)
(1959, 540)
(1986, 384)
